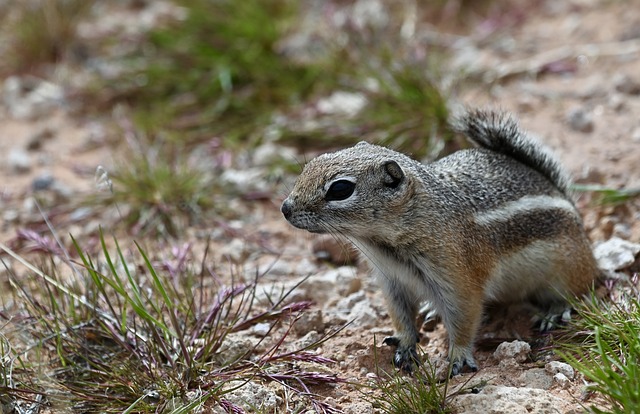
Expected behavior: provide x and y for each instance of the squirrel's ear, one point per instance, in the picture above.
(393, 174)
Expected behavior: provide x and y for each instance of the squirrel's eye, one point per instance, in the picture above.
(340, 190)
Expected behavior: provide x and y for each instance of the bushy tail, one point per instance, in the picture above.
(499, 132)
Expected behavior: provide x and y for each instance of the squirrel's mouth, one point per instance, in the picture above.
(303, 225)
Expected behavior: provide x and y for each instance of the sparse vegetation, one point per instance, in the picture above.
(148, 328)
(226, 71)
(127, 335)
(158, 187)
(40, 32)
(603, 343)
(609, 196)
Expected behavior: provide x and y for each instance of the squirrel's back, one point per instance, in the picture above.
(499, 132)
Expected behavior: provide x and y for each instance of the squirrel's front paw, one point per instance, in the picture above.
(406, 357)
(459, 358)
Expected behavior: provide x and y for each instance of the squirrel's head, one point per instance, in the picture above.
(348, 192)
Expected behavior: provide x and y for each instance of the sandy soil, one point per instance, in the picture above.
(602, 87)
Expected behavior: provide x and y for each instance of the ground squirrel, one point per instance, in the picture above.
(493, 224)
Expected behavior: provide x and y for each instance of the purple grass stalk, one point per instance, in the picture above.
(230, 407)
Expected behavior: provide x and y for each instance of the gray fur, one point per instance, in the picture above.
(493, 223)
(499, 132)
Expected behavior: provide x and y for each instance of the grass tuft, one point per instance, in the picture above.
(119, 335)
(233, 70)
(397, 393)
(603, 343)
(40, 31)
(158, 186)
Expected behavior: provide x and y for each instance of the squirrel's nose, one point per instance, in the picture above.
(286, 209)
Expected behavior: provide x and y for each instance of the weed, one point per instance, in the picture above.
(225, 71)
(120, 336)
(396, 393)
(217, 72)
(158, 187)
(603, 343)
(40, 31)
(607, 195)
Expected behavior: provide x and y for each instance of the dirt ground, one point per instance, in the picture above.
(570, 71)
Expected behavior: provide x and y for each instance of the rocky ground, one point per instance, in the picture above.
(569, 70)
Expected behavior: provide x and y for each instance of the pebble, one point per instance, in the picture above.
(30, 97)
(43, 182)
(536, 378)
(358, 408)
(343, 280)
(554, 367)
(580, 120)
(342, 103)
(251, 395)
(363, 315)
(312, 337)
(625, 84)
(309, 321)
(19, 161)
(562, 380)
(635, 135)
(247, 180)
(519, 350)
(616, 254)
(236, 250)
(261, 329)
(269, 154)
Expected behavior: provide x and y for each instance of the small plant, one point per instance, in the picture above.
(40, 31)
(158, 186)
(603, 343)
(121, 336)
(215, 73)
(397, 393)
(607, 195)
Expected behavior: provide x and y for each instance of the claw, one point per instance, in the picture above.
(391, 341)
(461, 358)
(556, 316)
(405, 358)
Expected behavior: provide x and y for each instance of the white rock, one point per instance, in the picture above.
(305, 267)
(323, 285)
(281, 268)
(358, 408)
(261, 329)
(562, 380)
(308, 321)
(364, 315)
(270, 153)
(247, 180)
(342, 103)
(519, 350)
(19, 161)
(496, 399)
(554, 367)
(309, 339)
(252, 396)
(29, 97)
(236, 250)
(536, 378)
(235, 345)
(615, 254)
